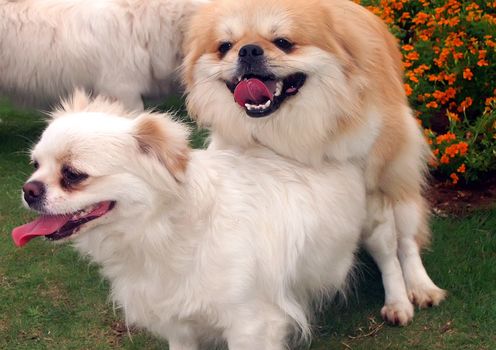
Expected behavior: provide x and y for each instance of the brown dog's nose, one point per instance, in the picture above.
(251, 51)
(33, 191)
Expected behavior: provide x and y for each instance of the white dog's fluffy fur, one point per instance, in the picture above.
(123, 49)
(201, 244)
(351, 106)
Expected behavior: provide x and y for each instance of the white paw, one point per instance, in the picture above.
(399, 313)
(426, 296)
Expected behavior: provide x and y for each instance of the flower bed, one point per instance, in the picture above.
(450, 73)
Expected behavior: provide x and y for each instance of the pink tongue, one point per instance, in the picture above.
(42, 226)
(252, 91)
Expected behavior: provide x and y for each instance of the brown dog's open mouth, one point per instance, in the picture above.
(261, 96)
(55, 227)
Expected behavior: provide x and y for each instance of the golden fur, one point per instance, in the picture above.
(352, 107)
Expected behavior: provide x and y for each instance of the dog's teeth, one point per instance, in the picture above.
(83, 212)
(279, 85)
(249, 106)
(260, 107)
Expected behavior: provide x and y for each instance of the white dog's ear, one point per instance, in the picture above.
(166, 140)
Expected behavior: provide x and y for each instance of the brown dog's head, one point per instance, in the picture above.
(277, 70)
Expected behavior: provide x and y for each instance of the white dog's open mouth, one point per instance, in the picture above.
(260, 96)
(55, 227)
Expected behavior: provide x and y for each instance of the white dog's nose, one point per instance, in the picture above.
(33, 192)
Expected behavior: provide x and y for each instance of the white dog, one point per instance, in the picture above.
(122, 49)
(196, 244)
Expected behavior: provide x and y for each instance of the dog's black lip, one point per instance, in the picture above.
(71, 227)
(295, 80)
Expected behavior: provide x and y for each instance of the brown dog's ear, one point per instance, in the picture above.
(166, 140)
(198, 39)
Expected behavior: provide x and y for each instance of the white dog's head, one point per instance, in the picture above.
(95, 165)
(286, 73)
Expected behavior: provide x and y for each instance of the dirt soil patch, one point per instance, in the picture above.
(448, 200)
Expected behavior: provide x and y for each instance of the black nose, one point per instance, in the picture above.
(251, 51)
(33, 192)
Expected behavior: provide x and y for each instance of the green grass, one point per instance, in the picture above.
(50, 298)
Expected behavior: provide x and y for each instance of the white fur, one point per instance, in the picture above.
(236, 251)
(381, 241)
(123, 49)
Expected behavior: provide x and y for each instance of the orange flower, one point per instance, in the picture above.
(421, 18)
(450, 92)
(405, 16)
(482, 63)
(443, 56)
(455, 41)
(432, 104)
(463, 148)
(454, 178)
(407, 47)
(434, 77)
(408, 89)
(438, 95)
(444, 97)
(452, 150)
(467, 102)
(425, 35)
(412, 56)
(444, 159)
(453, 117)
(412, 77)
(457, 55)
(472, 6)
(453, 21)
(461, 169)
(450, 78)
(449, 136)
(482, 58)
(421, 69)
(467, 74)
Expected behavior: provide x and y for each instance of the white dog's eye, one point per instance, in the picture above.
(283, 44)
(224, 48)
(36, 165)
(71, 177)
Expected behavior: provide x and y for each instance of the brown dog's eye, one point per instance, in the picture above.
(283, 44)
(72, 177)
(224, 48)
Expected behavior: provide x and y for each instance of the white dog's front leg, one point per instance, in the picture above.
(177, 344)
(381, 243)
(181, 337)
(260, 327)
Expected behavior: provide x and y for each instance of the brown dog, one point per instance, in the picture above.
(319, 80)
